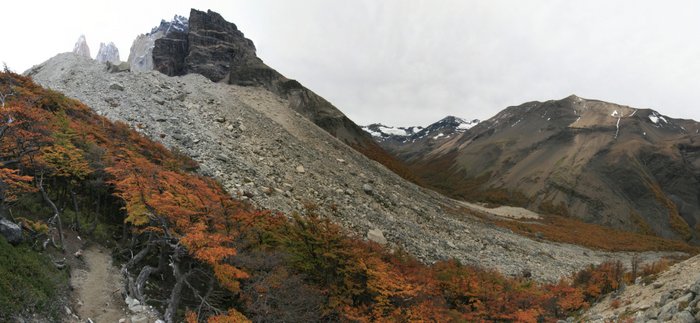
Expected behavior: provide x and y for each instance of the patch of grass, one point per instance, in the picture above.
(644, 227)
(569, 230)
(675, 220)
(29, 283)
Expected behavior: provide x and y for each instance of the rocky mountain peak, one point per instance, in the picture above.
(81, 47)
(141, 52)
(216, 49)
(108, 53)
(441, 129)
(210, 46)
(178, 23)
(458, 124)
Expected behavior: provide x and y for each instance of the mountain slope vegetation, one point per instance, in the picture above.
(195, 253)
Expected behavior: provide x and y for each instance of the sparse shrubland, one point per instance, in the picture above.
(29, 283)
(569, 230)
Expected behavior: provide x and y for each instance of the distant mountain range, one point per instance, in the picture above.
(628, 168)
(407, 142)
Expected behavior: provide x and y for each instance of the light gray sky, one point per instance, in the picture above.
(412, 62)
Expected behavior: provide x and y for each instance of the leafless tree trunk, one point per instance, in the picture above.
(57, 214)
(138, 289)
(76, 221)
(176, 293)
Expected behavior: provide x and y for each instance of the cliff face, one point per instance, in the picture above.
(141, 53)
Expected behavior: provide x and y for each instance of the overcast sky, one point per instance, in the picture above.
(410, 62)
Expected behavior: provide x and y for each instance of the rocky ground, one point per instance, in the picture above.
(674, 296)
(248, 138)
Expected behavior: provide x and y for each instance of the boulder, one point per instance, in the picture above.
(116, 86)
(377, 236)
(695, 288)
(11, 231)
(367, 188)
(117, 68)
(683, 317)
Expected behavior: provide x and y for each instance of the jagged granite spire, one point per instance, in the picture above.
(141, 52)
(108, 53)
(81, 47)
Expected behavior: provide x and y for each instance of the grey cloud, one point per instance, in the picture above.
(412, 62)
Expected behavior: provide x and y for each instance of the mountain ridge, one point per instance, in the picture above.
(568, 157)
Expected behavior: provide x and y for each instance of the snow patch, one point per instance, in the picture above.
(439, 135)
(654, 118)
(466, 125)
(393, 131)
(371, 132)
(615, 114)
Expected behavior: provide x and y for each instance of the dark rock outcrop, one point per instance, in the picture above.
(11, 231)
(217, 48)
(170, 52)
(141, 52)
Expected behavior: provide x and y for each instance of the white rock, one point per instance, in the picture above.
(300, 169)
(377, 236)
(81, 47)
(108, 53)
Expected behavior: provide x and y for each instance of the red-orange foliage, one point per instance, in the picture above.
(193, 209)
(596, 281)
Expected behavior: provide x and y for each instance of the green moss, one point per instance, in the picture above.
(29, 283)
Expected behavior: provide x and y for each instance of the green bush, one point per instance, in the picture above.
(29, 283)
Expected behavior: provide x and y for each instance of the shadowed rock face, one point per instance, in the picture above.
(169, 53)
(141, 52)
(216, 46)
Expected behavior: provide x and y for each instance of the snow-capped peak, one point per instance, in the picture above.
(379, 131)
(439, 130)
(465, 125)
(178, 23)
